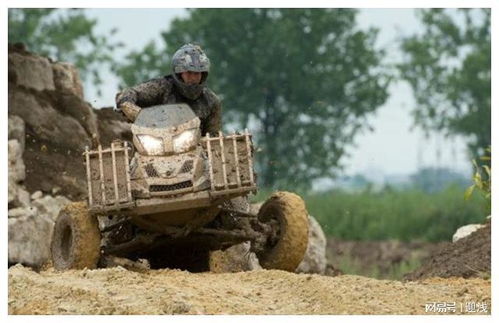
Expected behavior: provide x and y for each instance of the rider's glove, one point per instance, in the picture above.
(130, 110)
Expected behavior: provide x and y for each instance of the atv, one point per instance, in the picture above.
(180, 196)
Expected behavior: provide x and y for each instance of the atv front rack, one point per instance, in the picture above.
(108, 177)
(230, 162)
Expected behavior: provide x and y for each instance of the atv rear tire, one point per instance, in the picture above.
(288, 209)
(76, 238)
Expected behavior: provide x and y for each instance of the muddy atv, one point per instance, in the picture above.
(178, 198)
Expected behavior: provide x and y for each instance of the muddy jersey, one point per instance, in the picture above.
(163, 91)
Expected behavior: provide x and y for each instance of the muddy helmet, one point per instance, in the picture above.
(190, 58)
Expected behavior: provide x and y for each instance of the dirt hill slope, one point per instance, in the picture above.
(467, 257)
(119, 291)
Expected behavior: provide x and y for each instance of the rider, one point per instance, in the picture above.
(186, 84)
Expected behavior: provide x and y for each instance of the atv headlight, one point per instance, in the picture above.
(152, 145)
(184, 141)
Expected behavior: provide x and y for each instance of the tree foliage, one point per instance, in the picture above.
(448, 67)
(303, 80)
(482, 179)
(63, 35)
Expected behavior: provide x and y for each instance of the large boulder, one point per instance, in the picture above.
(30, 230)
(29, 237)
(49, 206)
(46, 122)
(314, 261)
(31, 72)
(465, 231)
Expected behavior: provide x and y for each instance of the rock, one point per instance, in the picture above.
(48, 124)
(67, 79)
(17, 170)
(30, 229)
(17, 130)
(31, 72)
(49, 206)
(466, 231)
(12, 191)
(29, 237)
(36, 195)
(314, 261)
(22, 212)
(234, 259)
(22, 199)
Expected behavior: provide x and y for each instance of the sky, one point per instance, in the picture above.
(391, 149)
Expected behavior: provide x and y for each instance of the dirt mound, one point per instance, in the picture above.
(467, 257)
(388, 259)
(118, 291)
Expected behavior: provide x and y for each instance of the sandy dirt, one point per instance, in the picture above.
(119, 291)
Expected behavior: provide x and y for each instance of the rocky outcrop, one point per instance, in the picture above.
(50, 120)
(48, 128)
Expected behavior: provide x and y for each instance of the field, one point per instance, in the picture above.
(404, 215)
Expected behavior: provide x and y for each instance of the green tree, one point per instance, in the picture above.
(436, 179)
(304, 81)
(448, 67)
(63, 35)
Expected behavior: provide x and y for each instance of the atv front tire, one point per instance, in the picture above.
(76, 238)
(288, 211)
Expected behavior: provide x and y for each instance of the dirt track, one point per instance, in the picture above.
(119, 291)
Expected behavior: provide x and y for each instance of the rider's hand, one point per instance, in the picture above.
(130, 110)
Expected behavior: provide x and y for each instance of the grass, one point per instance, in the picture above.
(354, 266)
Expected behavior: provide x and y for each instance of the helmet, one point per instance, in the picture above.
(191, 58)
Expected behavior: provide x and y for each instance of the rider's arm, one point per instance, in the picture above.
(146, 94)
(214, 122)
